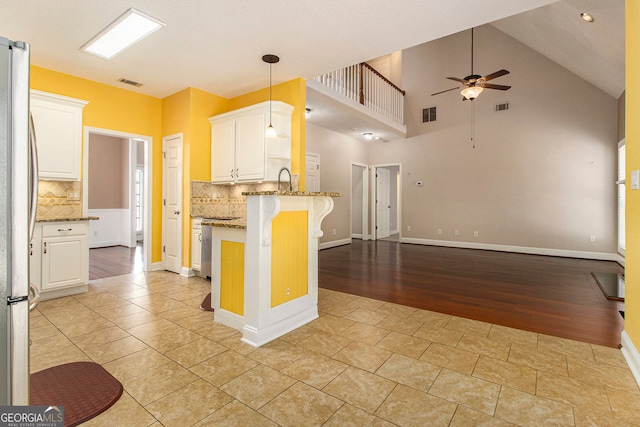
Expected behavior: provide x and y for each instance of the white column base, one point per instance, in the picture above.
(632, 356)
(256, 338)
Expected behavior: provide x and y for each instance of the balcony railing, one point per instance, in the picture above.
(363, 84)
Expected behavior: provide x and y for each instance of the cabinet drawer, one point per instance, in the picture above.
(64, 229)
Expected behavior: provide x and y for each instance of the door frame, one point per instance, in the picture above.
(179, 248)
(364, 201)
(374, 216)
(148, 169)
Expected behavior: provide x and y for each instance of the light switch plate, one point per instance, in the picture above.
(635, 180)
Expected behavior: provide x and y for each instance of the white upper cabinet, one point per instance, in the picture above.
(58, 125)
(239, 150)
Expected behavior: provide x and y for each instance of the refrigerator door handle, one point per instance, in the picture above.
(33, 164)
(33, 291)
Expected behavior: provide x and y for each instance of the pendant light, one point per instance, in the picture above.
(270, 59)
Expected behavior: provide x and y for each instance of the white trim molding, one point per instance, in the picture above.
(334, 243)
(630, 353)
(603, 256)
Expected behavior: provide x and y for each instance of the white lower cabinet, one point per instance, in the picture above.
(196, 244)
(60, 258)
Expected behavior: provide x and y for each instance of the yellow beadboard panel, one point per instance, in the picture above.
(289, 256)
(232, 277)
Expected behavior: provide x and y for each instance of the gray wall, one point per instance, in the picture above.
(541, 174)
(108, 171)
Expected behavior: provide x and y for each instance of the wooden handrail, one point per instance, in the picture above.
(377, 73)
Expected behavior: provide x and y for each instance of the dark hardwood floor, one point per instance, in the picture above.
(114, 261)
(550, 295)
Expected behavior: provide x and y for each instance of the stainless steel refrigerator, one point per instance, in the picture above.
(18, 199)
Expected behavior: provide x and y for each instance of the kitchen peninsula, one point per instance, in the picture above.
(264, 276)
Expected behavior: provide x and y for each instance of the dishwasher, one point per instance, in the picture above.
(205, 248)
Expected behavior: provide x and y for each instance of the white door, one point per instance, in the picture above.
(313, 172)
(383, 203)
(172, 203)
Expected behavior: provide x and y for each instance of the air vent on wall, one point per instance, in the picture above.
(429, 115)
(130, 82)
(502, 106)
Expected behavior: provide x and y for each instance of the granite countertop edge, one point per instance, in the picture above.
(240, 224)
(293, 193)
(84, 218)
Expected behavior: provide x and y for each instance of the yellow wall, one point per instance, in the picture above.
(187, 112)
(293, 92)
(289, 256)
(232, 276)
(632, 131)
(117, 109)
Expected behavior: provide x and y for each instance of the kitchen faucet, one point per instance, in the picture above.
(280, 175)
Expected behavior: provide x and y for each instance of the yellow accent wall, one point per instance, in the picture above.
(232, 277)
(187, 112)
(289, 256)
(632, 140)
(293, 92)
(115, 109)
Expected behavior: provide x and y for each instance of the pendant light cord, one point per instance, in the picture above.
(270, 97)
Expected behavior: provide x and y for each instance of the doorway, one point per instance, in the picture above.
(117, 166)
(172, 203)
(387, 207)
(359, 201)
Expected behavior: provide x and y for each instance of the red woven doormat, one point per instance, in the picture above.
(206, 303)
(85, 389)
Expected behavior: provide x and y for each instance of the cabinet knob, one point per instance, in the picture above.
(176, 212)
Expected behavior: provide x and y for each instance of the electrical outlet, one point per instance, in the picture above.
(73, 195)
(439, 230)
(408, 228)
(456, 232)
(334, 231)
(475, 234)
(592, 238)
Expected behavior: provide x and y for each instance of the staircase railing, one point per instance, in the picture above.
(363, 84)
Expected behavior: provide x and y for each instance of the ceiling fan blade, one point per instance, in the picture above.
(457, 79)
(494, 75)
(492, 86)
(448, 90)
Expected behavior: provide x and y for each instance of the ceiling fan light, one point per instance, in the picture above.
(368, 136)
(471, 92)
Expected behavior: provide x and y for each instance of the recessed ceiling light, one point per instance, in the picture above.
(128, 29)
(586, 17)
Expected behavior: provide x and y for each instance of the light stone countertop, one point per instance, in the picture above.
(293, 193)
(240, 223)
(84, 218)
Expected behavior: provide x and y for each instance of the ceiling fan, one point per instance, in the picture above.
(474, 84)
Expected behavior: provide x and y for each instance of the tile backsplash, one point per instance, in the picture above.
(211, 200)
(56, 199)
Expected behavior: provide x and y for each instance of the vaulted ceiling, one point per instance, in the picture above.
(217, 45)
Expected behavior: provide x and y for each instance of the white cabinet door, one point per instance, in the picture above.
(58, 126)
(196, 249)
(223, 137)
(250, 147)
(61, 265)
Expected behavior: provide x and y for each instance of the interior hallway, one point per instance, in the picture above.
(363, 362)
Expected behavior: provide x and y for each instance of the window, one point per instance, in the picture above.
(621, 195)
(429, 115)
(139, 187)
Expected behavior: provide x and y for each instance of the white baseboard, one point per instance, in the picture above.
(156, 266)
(187, 272)
(632, 356)
(106, 244)
(517, 249)
(334, 243)
(356, 236)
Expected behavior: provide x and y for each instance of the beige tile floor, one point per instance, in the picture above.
(361, 363)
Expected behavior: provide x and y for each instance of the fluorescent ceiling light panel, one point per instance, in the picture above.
(128, 29)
